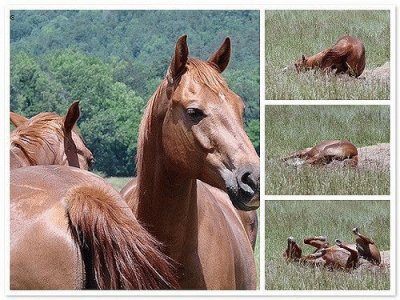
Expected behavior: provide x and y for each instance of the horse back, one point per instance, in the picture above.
(347, 55)
(342, 149)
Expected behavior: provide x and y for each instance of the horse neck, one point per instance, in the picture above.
(315, 60)
(167, 202)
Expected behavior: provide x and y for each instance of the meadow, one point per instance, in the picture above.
(291, 128)
(335, 219)
(290, 34)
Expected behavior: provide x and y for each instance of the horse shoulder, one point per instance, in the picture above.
(222, 233)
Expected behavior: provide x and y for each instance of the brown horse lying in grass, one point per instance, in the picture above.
(338, 256)
(327, 151)
(48, 139)
(346, 56)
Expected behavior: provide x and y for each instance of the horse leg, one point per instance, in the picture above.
(318, 159)
(316, 258)
(367, 247)
(293, 251)
(354, 161)
(352, 261)
(318, 242)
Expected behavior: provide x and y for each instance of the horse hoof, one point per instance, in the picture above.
(338, 242)
(355, 230)
(322, 238)
(291, 239)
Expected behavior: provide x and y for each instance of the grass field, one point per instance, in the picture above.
(290, 34)
(118, 182)
(291, 128)
(335, 219)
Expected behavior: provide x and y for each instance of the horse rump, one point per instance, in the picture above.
(116, 251)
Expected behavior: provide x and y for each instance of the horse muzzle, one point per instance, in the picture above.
(244, 190)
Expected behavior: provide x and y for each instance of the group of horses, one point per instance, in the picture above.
(187, 221)
(347, 56)
(364, 253)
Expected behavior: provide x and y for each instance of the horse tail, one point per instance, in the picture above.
(117, 252)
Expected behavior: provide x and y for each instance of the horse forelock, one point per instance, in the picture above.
(204, 73)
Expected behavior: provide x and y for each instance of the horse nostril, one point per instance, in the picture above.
(247, 183)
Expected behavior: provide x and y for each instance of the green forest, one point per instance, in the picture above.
(112, 61)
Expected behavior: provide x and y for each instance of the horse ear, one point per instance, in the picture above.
(17, 119)
(220, 58)
(179, 59)
(303, 58)
(72, 116)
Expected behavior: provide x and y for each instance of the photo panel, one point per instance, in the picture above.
(327, 54)
(159, 97)
(327, 150)
(327, 245)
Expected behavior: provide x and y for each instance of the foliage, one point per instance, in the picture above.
(112, 61)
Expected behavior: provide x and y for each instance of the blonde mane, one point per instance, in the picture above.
(37, 132)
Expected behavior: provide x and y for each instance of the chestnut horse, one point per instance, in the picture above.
(195, 165)
(71, 230)
(48, 139)
(249, 218)
(326, 151)
(346, 56)
(338, 256)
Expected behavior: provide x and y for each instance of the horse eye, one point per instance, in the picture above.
(195, 114)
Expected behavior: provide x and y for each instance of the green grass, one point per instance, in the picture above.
(289, 34)
(291, 128)
(335, 219)
(118, 182)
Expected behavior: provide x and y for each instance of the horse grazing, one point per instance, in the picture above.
(346, 56)
(327, 151)
(48, 139)
(249, 218)
(338, 256)
(195, 165)
(71, 230)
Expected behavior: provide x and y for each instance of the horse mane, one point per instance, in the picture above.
(200, 71)
(117, 252)
(37, 132)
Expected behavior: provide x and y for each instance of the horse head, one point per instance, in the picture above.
(49, 139)
(301, 64)
(202, 128)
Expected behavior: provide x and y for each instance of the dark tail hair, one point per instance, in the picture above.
(117, 251)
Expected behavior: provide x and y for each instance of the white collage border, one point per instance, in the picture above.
(141, 4)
